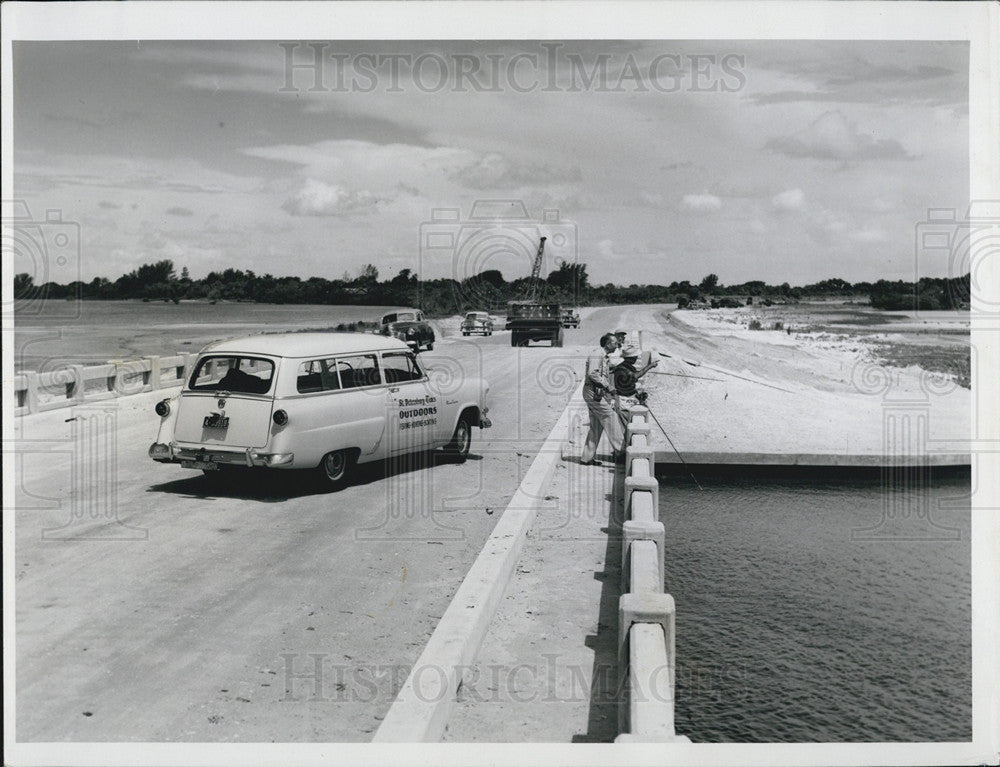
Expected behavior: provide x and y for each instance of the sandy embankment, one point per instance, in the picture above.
(720, 387)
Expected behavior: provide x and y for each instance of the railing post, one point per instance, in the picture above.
(75, 388)
(153, 378)
(31, 391)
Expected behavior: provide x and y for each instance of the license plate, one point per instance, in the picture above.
(215, 421)
(207, 465)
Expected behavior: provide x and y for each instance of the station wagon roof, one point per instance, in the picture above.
(306, 344)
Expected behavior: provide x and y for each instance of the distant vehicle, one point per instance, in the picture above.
(726, 302)
(318, 401)
(409, 326)
(477, 322)
(532, 321)
(570, 318)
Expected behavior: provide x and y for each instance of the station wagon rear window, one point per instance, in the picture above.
(233, 373)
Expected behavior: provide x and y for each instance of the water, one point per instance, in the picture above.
(790, 628)
(90, 332)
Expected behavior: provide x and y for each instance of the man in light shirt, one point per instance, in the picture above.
(598, 394)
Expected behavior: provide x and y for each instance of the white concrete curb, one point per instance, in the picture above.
(421, 711)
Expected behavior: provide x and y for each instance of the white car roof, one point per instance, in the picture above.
(306, 344)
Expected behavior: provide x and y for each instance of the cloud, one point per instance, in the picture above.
(317, 198)
(868, 235)
(178, 211)
(833, 137)
(791, 199)
(701, 202)
(495, 171)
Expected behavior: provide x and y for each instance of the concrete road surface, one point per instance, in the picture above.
(153, 606)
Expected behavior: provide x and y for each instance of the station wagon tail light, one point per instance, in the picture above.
(162, 408)
(280, 417)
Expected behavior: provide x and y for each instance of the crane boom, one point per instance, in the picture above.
(536, 270)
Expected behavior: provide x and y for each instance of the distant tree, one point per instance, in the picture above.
(492, 277)
(24, 284)
(571, 278)
(709, 283)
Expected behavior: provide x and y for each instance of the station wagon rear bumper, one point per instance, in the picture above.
(192, 458)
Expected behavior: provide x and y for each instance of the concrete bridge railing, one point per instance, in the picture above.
(646, 629)
(77, 384)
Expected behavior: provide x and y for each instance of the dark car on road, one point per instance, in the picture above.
(409, 326)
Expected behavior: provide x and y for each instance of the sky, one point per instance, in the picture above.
(649, 161)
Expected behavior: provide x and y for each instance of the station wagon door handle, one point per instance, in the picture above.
(394, 389)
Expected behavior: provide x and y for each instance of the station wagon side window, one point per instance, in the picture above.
(400, 367)
(232, 373)
(318, 375)
(358, 370)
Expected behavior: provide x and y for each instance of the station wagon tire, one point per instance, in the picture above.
(461, 440)
(335, 468)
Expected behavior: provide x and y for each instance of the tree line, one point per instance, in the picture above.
(569, 284)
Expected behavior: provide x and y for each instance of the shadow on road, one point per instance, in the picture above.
(602, 719)
(275, 486)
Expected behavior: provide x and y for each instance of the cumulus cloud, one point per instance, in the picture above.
(791, 199)
(495, 171)
(833, 137)
(317, 198)
(178, 211)
(701, 202)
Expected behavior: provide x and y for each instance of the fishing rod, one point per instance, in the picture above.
(690, 473)
(682, 375)
(726, 372)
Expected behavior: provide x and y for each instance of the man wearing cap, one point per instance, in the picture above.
(624, 377)
(625, 374)
(597, 393)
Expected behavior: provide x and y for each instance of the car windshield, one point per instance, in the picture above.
(233, 373)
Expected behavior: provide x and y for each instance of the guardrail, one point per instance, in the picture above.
(77, 384)
(646, 629)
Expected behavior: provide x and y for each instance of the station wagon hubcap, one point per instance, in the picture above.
(334, 464)
(462, 437)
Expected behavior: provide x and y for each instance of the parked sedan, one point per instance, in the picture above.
(409, 326)
(477, 322)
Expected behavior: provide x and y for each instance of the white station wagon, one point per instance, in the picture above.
(322, 401)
